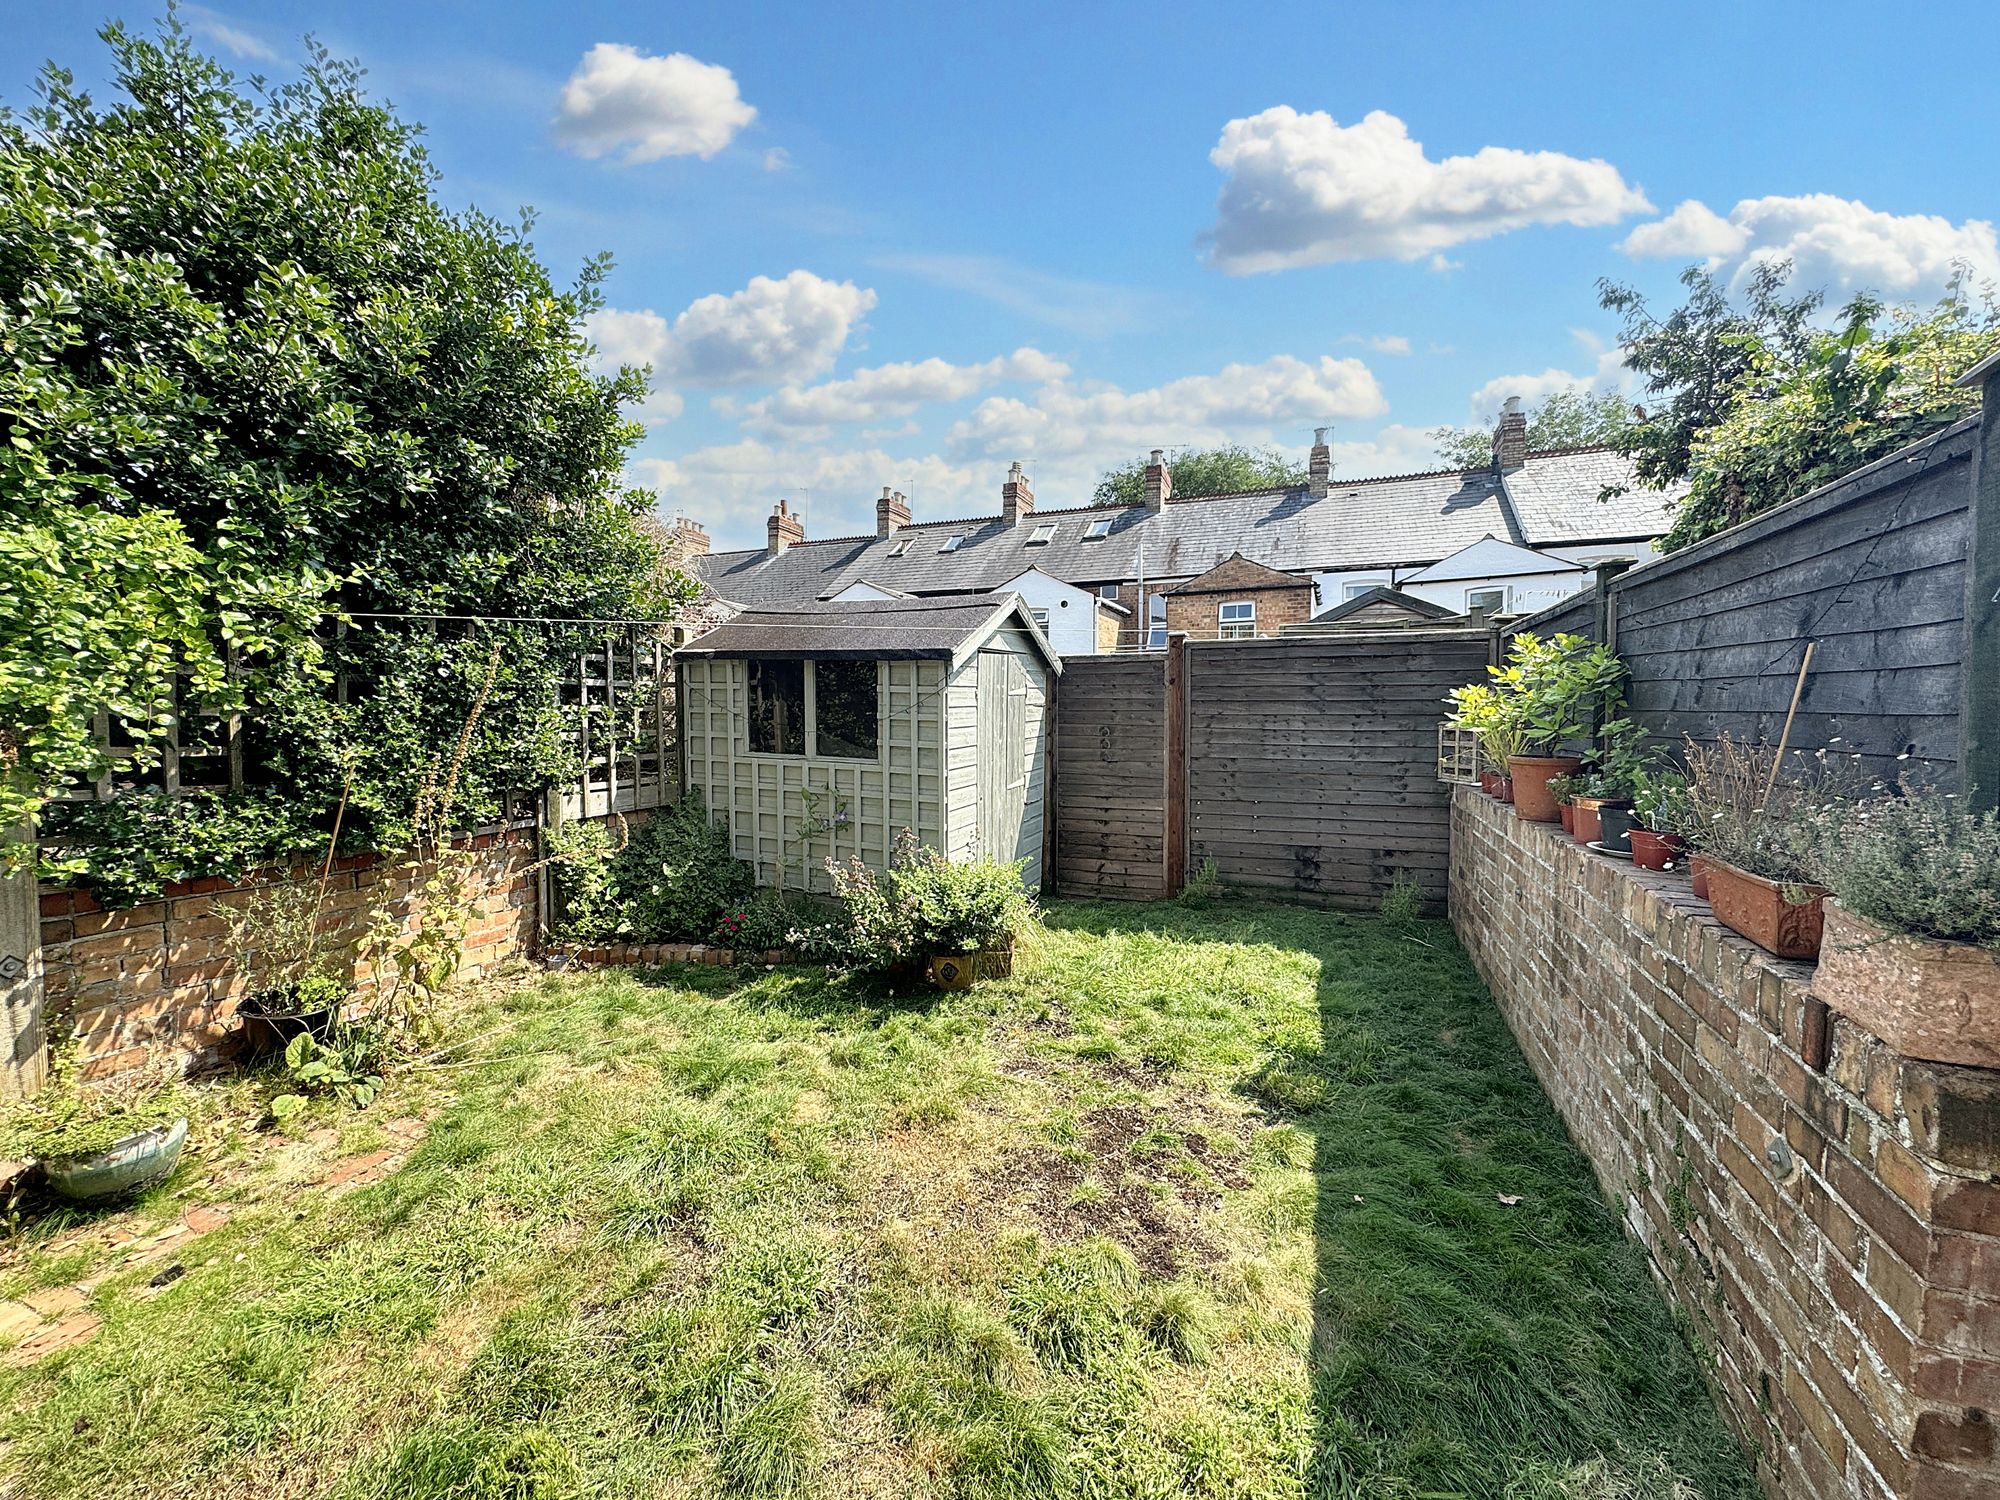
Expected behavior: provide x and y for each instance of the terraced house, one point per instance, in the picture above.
(1516, 535)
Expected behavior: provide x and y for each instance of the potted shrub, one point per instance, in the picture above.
(1759, 834)
(1479, 707)
(1912, 942)
(105, 1141)
(953, 920)
(1661, 813)
(1560, 687)
(293, 969)
(1565, 790)
(1603, 810)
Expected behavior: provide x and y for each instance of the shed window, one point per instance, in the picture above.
(1236, 620)
(1097, 531)
(845, 709)
(778, 707)
(1042, 535)
(952, 544)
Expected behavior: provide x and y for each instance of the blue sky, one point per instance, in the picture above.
(906, 245)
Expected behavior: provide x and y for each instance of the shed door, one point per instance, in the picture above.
(1003, 753)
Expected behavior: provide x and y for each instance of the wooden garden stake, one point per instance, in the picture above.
(1784, 739)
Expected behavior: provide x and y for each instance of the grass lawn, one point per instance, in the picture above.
(1230, 1199)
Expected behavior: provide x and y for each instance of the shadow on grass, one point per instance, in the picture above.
(1482, 1326)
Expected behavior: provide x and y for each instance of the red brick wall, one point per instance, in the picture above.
(1852, 1301)
(1199, 614)
(155, 972)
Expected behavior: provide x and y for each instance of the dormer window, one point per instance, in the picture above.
(1097, 531)
(952, 544)
(1042, 535)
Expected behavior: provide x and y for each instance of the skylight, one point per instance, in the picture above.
(1097, 531)
(952, 544)
(1043, 535)
(901, 547)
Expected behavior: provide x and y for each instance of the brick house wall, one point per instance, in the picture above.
(156, 972)
(1833, 1237)
(1197, 614)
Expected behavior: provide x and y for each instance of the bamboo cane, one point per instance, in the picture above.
(1784, 739)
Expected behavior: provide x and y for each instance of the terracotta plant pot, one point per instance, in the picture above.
(1757, 908)
(1506, 789)
(1489, 784)
(1927, 999)
(1655, 851)
(1698, 876)
(1531, 774)
(1566, 812)
(1588, 817)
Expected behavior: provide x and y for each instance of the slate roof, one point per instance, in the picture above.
(1405, 520)
(939, 629)
(1238, 574)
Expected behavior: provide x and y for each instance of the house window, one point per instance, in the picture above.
(1356, 590)
(952, 544)
(846, 714)
(1041, 536)
(1097, 531)
(901, 547)
(778, 707)
(1486, 601)
(1236, 620)
(1156, 624)
(1041, 617)
(1108, 591)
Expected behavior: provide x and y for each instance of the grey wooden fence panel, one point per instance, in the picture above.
(1312, 761)
(1110, 776)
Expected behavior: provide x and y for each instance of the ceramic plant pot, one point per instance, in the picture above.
(1698, 876)
(960, 971)
(1655, 851)
(136, 1162)
(1927, 999)
(1531, 774)
(1615, 827)
(1756, 908)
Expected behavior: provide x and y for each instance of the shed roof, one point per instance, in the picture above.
(950, 628)
(1404, 520)
(1394, 598)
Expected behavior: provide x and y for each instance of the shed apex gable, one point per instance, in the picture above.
(1236, 572)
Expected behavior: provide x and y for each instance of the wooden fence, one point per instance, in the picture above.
(1872, 570)
(1303, 765)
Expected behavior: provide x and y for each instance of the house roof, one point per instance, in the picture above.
(950, 629)
(1395, 598)
(1490, 557)
(1237, 574)
(1403, 520)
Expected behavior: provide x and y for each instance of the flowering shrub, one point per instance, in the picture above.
(767, 920)
(1922, 863)
(923, 904)
(1773, 826)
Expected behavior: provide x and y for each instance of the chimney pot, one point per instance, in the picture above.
(782, 530)
(690, 539)
(892, 512)
(1159, 480)
(1510, 437)
(1017, 496)
(1319, 465)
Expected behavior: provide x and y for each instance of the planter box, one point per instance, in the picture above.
(1530, 775)
(960, 971)
(1757, 909)
(1927, 999)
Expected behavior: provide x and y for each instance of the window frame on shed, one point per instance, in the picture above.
(758, 670)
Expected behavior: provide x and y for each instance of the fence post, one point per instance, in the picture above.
(1176, 789)
(1979, 712)
(21, 1051)
(1604, 609)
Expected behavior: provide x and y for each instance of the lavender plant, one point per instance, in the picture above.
(1922, 862)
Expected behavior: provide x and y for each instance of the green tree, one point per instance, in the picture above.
(1563, 419)
(259, 389)
(1203, 471)
(1758, 401)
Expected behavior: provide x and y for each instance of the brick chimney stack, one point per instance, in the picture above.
(1159, 483)
(1510, 437)
(1017, 496)
(1319, 465)
(783, 530)
(689, 539)
(892, 512)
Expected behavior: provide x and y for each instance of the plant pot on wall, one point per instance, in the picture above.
(1927, 999)
(1656, 851)
(1615, 827)
(1506, 789)
(126, 1166)
(1530, 775)
(1587, 821)
(1698, 875)
(1566, 815)
(1759, 909)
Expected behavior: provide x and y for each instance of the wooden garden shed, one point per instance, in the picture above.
(829, 730)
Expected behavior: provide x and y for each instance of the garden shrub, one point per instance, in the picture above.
(1922, 863)
(767, 920)
(925, 903)
(676, 877)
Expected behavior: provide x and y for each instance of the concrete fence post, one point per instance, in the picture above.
(22, 1060)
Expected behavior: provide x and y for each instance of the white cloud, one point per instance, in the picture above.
(228, 34)
(894, 390)
(620, 99)
(1395, 448)
(1087, 307)
(777, 159)
(730, 488)
(1381, 343)
(1241, 402)
(772, 330)
(1304, 190)
(1831, 241)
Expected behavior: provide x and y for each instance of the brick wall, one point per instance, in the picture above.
(1849, 1291)
(156, 972)
(1197, 614)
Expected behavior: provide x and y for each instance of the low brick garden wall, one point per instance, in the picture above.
(629, 955)
(1833, 1236)
(156, 972)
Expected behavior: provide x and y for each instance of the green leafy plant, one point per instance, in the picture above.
(1922, 863)
(1556, 689)
(1623, 757)
(1403, 902)
(348, 1066)
(276, 942)
(71, 1117)
(1567, 788)
(1495, 716)
(1205, 884)
(1661, 803)
(677, 877)
(581, 856)
(767, 920)
(925, 904)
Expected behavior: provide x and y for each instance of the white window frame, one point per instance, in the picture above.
(1352, 591)
(1040, 617)
(1097, 531)
(1110, 591)
(1489, 588)
(953, 542)
(1236, 620)
(902, 546)
(1042, 535)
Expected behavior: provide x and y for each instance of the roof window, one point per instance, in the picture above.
(1097, 531)
(952, 543)
(1042, 535)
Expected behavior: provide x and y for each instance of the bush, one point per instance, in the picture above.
(767, 920)
(1921, 863)
(677, 876)
(922, 904)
